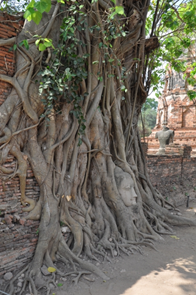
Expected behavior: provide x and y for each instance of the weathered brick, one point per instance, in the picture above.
(18, 243)
(173, 176)
(177, 111)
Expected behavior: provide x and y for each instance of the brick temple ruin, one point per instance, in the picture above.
(178, 112)
(173, 174)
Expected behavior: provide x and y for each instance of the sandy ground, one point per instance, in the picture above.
(170, 270)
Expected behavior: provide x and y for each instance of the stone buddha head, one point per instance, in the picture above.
(125, 187)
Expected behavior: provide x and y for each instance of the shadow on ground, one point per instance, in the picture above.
(170, 270)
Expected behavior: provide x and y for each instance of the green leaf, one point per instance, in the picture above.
(59, 284)
(49, 4)
(15, 46)
(31, 14)
(79, 141)
(36, 17)
(28, 13)
(42, 47)
(119, 10)
(191, 94)
(26, 44)
(37, 42)
(31, 4)
(41, 6)
(48, 43)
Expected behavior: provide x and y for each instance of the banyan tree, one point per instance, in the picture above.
(82, 76)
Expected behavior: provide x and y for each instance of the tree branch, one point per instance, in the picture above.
(94, 105)
(177, 13)
(6, 42)
(105, 5)
(26, 104)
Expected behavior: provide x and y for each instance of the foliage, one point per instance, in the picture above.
(147, 119)
(151, 104)
(43, 43)
(175, 29)
(37, 231)
(35, 10)
(60, 79)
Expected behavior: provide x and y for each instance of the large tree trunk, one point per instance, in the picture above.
(95, 181)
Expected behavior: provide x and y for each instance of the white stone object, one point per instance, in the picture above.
(8, 276)
(65, 229)
(45, 271)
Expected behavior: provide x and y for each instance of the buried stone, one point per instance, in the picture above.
(8, 276)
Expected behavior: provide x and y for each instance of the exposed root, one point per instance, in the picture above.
(64, 251)
(101, 253)
(11, 283)
(78, 275)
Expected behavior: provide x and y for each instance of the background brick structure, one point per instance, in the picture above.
(177, 111)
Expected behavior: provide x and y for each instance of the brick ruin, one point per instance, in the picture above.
(177, 111)
(18, 237)
(174, 173)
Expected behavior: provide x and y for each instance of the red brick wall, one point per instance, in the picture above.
(18, 237)
(9, 27)
(174, 176)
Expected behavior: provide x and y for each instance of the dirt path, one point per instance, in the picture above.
(171, 270)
